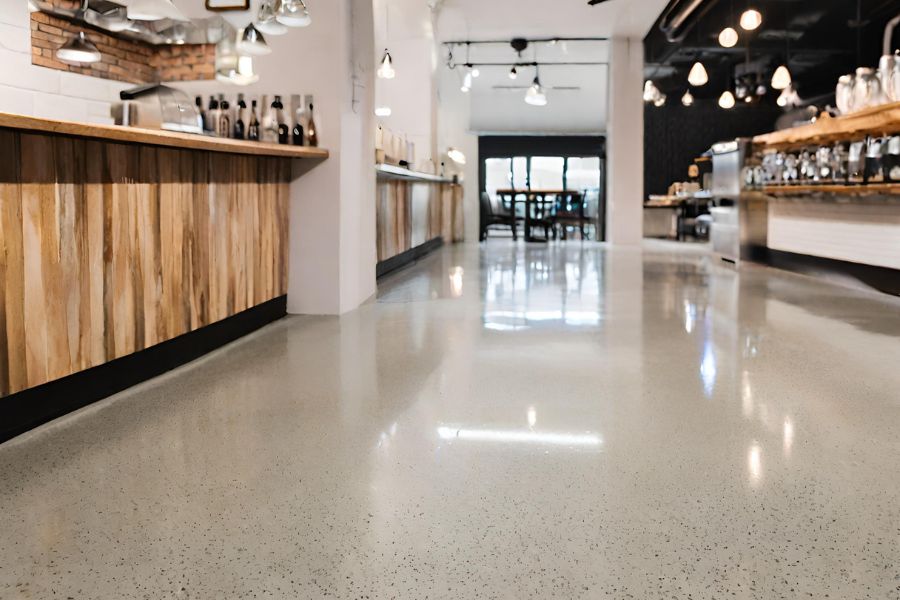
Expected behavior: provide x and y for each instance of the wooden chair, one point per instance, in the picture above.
(495, 214)
(570, 211)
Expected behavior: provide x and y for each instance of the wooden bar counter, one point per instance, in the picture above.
(116, 240)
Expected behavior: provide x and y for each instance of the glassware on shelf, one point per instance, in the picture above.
(839, 158)
(844, 94)
(866, 89)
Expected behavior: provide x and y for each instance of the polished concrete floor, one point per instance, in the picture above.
(506, 422)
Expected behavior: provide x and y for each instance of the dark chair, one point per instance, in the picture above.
(494, 214)
(570, 210)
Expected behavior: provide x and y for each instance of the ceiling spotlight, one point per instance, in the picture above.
(476, 72)
(536, 95)
(751, 19)
(698, 75)
(383, 111)
(293, 13)
(726, 100)
(252, 42)
(386, 70)
(513, 73)
(467, 83)
(78, 49)
(688, 98)
(728, 38)
(154, 10)
(781, 79)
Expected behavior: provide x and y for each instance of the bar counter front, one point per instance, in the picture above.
(125, 253)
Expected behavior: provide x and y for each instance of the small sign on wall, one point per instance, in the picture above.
(223, 5)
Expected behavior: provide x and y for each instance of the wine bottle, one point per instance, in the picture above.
(223, 129)
(212, 116)
(240, 122)
(201, 113)
(283, 129)
(312, 133)
(253, 127)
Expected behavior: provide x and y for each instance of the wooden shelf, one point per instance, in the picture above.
(392, 172)
(881, 120)
(874, 189)
(154, 137)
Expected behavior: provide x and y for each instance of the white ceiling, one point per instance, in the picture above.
(571, 111)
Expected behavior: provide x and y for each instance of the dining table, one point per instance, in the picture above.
(536, 206)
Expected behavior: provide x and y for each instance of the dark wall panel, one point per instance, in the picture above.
(675, 135)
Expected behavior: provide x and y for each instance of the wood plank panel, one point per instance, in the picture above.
(109, 248)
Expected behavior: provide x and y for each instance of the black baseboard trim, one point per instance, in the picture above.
(30, 408)
(405, 258)
(882, 279)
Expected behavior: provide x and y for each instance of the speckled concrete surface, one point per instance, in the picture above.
(540, 422)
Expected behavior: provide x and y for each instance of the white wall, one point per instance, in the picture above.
(37, 91)
(625, 143)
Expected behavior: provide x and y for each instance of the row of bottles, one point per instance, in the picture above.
(243, 123)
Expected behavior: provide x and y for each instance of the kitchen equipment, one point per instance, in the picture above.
(874, 162)
(856, 163)
(866, 89)
(892, 160)
(159, 106)
(729, 173)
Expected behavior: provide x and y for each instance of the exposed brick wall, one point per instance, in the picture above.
(123, 60)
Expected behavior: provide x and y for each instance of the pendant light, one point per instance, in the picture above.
(781, 79)
(78, 49)
(751, 19)
(266, 21)
(293, 13)
(513, 73)
(154, 10)
(728, 38)
(386, 70)
(660, 101)
(536, 96)
(252, 42)
(467, 83)
(726, 100)
(687, 99)
(698, 76)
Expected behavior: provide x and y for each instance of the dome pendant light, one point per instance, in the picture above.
(252, 42)
(536, 95)
(698, 75)
(728, 38)
(751, 19)
(687, 99)
(386, 70)
(726, 100)
(266, 21)
(293, 13)
(781, 79)
(78, 49)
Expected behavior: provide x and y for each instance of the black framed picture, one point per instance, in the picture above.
(222, 5)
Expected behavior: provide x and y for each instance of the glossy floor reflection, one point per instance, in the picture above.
(506, 422)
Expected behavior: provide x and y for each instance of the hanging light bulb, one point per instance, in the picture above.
(781, 79)
(536, 95)
(266, 21)
(154, 10)
(513, 73)
(386, 70)
(467, 83)
(728, 38)
(751, 19)
(476, 72)
(293, 13)
(761, 89)
(788, 97)
(726, 100)
(688, 98)
(649, 90)
(78, 49)
(252, 42)
(698, 75)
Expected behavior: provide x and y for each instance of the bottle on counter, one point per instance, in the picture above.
(312, 133)
(284, 130)
(269, 127)
(223, 129)
(253, 125)
(240, 121)
(298, 133)
(212, 115)
(202, 113)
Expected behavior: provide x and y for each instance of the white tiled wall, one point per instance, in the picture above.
(37, 91)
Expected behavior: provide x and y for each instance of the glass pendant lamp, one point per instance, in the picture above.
(536, 96)
(751, 19)
(266, 21)
(726, 100)
(293, 13)
(252, 42)
(698, 75)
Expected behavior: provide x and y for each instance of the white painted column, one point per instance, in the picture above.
(625, 143)
(332, 220)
